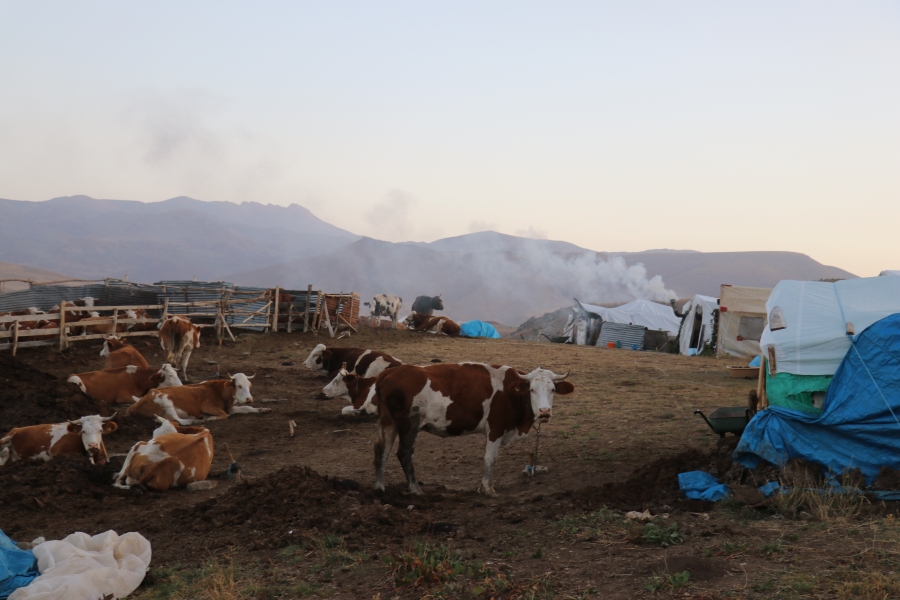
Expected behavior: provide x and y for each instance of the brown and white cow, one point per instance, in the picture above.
(122, 385)
(175, 457)
(451, 400)
(207, 401)
(178, 338)
(432, 324)
(140, 313)
(43, 442)
(120, 354)
(367, 363)
(358, 391)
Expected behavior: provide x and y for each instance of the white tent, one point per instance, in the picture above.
(742, 318)
(697, 323)
(658, 317)
(890, 273)
(814, 339)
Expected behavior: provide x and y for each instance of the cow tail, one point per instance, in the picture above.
(167, 335)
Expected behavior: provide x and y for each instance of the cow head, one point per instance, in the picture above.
(437, 303)
(340, 386)
(242, 385)
(542, 385)
(410, 320)
(318, 358)
(167, 376)
(111, 344)
(92, 429)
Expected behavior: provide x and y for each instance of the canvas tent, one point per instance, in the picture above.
(742, 318)
(697, 324)
(586, 321)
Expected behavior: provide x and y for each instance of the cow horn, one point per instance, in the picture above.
(556, 377)
(230, 376)
(250, 376)
(105, 419)
(343, 366)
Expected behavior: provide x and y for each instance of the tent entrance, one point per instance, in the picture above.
(697, 329)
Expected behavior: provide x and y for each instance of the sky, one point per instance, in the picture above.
(616, 126)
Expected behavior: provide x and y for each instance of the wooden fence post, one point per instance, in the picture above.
(308, 300)
(165, 314)
(290, 315)
(115, 323)
(63, 342)
(15, 337)
(275, 327)
(328, 319)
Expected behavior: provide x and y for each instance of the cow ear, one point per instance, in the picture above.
(349, 378)
(564, 388)
(74, 428)
(109, 427)
(522, 386)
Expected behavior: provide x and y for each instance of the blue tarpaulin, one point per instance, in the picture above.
(860, 422)
(478, 329)
(18, 568)
(699, 485)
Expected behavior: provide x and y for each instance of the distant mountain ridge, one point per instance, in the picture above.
(485, 275)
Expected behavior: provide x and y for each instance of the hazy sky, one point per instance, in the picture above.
(616, 126)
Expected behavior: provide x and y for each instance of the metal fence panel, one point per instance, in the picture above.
(627, 336)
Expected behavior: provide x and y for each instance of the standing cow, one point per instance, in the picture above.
(451, 400)
(426, 305)
(385, 305)
(178, 338)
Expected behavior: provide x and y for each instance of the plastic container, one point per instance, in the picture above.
(610, 344)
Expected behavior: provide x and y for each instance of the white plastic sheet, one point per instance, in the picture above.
(815, 340)
(82, 567)
(649, 314)
(706, 306)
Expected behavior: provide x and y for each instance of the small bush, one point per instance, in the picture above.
(662, 535)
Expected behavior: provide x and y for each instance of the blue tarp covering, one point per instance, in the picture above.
(699, 485)
(478, 329)
(18, 568)
(860, 422)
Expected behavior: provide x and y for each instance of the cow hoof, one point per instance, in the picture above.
(265, 410)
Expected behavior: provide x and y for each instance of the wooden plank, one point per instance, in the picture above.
(165, 313)
(290, 316)
(15, 342)
(275, 310)
(327, 319)
(63, 342)
(29, 344)
(308, 300)
(762, 400)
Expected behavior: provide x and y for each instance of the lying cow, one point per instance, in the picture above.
(120, 386)
(418, 322)
(367, 363)
(358, 391)
(119, 354)
(43, 442)
(175, 457)
(140, 314)
(207, 401)
(178, 338)
(385, 305)
(451, 400)
(426, 305)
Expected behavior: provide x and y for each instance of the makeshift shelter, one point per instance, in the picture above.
(895, 273)
(697, 324)
(587, 319)
(859, 426)
(742, 318)
(807, 337)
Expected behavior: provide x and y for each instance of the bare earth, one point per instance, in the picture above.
(613, 446)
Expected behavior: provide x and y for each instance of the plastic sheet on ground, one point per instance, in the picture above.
(17, 567)
(480, 329)
(699, 485)
(82, 567)
(860, 422)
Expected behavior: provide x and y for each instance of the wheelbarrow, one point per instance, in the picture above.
(728, 419)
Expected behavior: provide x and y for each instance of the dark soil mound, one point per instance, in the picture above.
(284, 507)
(887, 479)
(31, 397)
(656, 485)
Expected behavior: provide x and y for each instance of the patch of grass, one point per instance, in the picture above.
(210, 582)
(663, 535)
(590, 523)
(423, 564)
(865, 585)
(669, 581)
(539, 553)
(773, 548)
(539, 589)
(820, 504)
(732, 548)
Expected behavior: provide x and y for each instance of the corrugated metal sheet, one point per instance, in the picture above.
(47, 296)
(628, 336)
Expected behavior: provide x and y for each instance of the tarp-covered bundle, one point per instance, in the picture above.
(697, 324)
(860, 422)
(18, 567)
(742, 318)
(584, 326)
(478, 329)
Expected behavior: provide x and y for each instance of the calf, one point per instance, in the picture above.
(178, 338)
(174, 457)
(366, 363)
(358, 391)
(385, 305)
(43, 442)
(120, 354)
(451, 400)
(120, 386)
(208, 401)
(418, 322)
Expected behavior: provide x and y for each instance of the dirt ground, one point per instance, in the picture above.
(310, 524)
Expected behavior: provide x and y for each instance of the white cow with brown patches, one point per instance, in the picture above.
(207, 401)
(358, 391)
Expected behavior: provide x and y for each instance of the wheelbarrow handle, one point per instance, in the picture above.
(700, 412)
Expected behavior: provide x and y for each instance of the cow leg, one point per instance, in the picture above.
(184, 362)
(383, 445)
(4, 456)
(121, 481)
(491, 453)
(248, 409)
(408, 432)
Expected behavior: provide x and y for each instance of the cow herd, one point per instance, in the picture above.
(446, 400)
(80, 320)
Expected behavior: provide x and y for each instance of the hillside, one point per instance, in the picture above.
(175, 239)
(12, 271)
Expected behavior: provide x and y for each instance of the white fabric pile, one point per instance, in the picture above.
(82, 567)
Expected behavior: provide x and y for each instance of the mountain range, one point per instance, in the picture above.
(484, 275)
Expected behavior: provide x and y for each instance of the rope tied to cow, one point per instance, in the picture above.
(532, 466)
